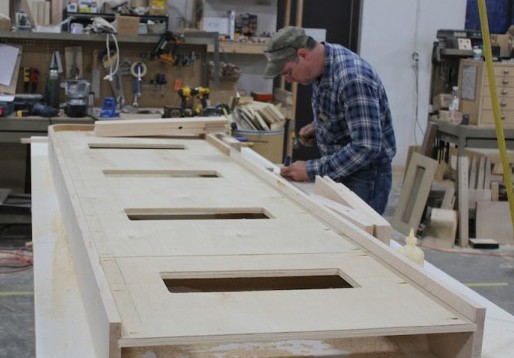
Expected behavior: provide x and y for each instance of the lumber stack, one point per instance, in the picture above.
(258, 116)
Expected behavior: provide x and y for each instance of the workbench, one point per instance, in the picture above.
(467, 136)
(12, 131)
(60, 314)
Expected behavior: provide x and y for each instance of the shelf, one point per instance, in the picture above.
(66, 36)
(240, 47)
(199, 38)
(86, 18)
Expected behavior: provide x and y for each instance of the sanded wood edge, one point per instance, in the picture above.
(103, 317)
(338, 192)
(71, 127)
(404, 267)
(223, 142)
(160, 127)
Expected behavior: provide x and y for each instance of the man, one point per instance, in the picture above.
(352, 123)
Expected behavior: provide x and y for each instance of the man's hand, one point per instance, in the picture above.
(307, 135)
(295, 172)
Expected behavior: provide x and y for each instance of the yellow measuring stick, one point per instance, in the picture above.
(500, 136)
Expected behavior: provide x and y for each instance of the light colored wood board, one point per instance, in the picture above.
(449, 193)
(102, 314)
(54, 332)
(240, 190)
(223, 142)
(247, 316)
(57, 6)
(462, 200)
(391, 258)
(326, 187)
(58, 308)
(350, 214)
(493, 221)
(160, 127)
(418, 181)
(472, 173)
(491, 153)
(481, 174)
(487, 173)
(100, 203)
(442, 229)
(475, 195)
(400, 347)
(495, 190)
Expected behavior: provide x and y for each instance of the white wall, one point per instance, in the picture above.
(391, 31)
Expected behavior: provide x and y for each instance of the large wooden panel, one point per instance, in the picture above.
(178, 243)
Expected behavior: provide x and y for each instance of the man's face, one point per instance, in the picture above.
(297, 70)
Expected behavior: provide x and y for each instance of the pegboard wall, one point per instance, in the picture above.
(38, 54)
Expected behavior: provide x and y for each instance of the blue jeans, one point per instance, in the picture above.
(372, 185)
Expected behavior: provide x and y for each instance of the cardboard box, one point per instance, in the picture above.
(127, 25)
(503, 41)
(441, 101)
(5, 23)
(447, 116)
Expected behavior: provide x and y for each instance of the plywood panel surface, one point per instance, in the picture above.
(110, 190)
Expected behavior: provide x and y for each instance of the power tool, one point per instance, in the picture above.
(161, 50)
(188, 107)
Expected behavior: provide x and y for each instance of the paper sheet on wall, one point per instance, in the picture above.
(9, 60)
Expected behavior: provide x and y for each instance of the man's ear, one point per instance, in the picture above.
(302, 52)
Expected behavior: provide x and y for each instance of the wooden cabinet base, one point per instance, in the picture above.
(172, 261)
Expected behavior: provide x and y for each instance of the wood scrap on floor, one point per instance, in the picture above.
(493, 221)
(441, 229)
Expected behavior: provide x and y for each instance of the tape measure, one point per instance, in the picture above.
(138, 69)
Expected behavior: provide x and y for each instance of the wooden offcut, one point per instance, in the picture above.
(170, 262)
(416, 187)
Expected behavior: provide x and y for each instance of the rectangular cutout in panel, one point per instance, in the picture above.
(135, 146)
(197, 214)
(161, 173)
(255, 281)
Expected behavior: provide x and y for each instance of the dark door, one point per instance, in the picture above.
(341, 19)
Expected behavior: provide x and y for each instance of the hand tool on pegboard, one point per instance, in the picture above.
(95, 75)
(138, 71)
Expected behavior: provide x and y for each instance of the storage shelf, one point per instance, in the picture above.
(66, 36)
(199, 38)
(240, 47)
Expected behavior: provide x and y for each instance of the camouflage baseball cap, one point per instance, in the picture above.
(282, 47)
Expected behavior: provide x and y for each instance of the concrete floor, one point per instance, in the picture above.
(485, 271)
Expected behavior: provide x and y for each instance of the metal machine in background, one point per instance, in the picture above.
(77, 94)
(451, 46)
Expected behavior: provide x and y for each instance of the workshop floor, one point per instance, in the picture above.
(488, 272)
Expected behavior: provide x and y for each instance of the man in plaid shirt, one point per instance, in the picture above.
(352, 123)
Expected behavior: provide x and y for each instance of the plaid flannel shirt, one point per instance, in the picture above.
(354, 128)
